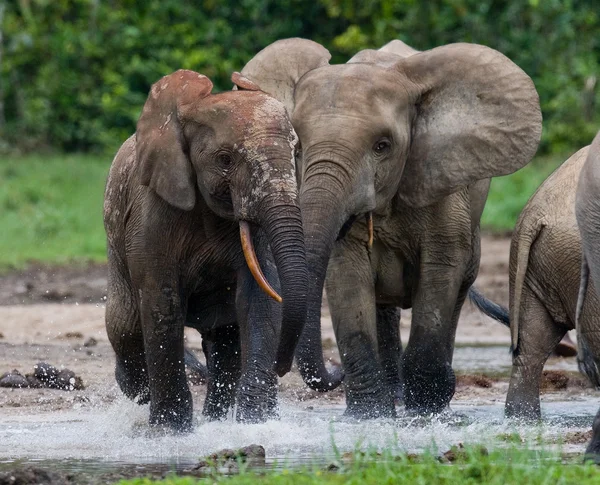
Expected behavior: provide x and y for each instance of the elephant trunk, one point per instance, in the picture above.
(282, 223)
(322, 212)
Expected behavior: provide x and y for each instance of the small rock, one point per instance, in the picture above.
(459, 453)
(45, 372)
(73, 335)
(227, 460)
(13, 379)
(34, 382)
(91, 342)
(32, 475)
(68, 381)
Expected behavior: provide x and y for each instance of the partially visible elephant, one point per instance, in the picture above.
(544, 272)
(201, 198)
(587, 209)
(396, 151)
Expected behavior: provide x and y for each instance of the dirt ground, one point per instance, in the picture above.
(56, 315)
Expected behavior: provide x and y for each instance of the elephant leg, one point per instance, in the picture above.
(162, 325)
(351, 297)
(537, 337)
(592, 451)
(429, 381)
(259, 317)
(390, 346)
(223, 358)
(124, 332)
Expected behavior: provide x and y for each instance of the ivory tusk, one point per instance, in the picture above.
(369, 217)
(252, 261)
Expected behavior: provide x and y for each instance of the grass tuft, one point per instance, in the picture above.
(51, 209)
(473, 465)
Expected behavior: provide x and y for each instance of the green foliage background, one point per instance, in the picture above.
(75, 73)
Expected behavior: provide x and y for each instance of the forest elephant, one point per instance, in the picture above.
(198, 203)
(587, 209)
(395, 155)
(544, 280)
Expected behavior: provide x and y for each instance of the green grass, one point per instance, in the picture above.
(508, 195)
(51, 209)
(474, 467)
(51, 206)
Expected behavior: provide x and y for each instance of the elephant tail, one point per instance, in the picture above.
(488, 307)
(519, 255)
(585, 357)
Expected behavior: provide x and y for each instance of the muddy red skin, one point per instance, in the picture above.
(199, 165)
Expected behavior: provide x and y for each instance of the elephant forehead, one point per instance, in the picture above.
(249, 114)
(347, 87)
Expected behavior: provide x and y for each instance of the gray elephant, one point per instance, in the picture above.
(587, 209)
(396, 151)
(183, 195)
(544, 272)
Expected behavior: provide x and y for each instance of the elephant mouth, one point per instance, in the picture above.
(348, 224)
(346, 227)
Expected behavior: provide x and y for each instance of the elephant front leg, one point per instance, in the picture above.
(390, 346)
(162, 326)
(223, 356)
(351, 297)
(429, 381)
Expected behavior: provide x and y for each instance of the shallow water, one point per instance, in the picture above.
(117, 436)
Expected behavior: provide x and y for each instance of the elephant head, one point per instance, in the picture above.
(394, 124)
(235, 151)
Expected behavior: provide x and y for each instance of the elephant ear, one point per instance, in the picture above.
(399, 48)
(161, 151)
(242, 82)
(385, 57)
(477, 116)
(278, 67)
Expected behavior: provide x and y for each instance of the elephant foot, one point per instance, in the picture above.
(257, 398)
(174, 414)
(372, 406)
(428, 392)
(133, 381)
(520, 410)
(256, 414)
(215, 411)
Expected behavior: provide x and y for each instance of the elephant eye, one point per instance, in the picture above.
(382, 146)
(224, 159)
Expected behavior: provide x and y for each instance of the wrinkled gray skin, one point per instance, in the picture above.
(544, 271)
(197, 165)
(588, 218)
(413, 138)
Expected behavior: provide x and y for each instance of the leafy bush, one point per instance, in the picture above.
(75, 73)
